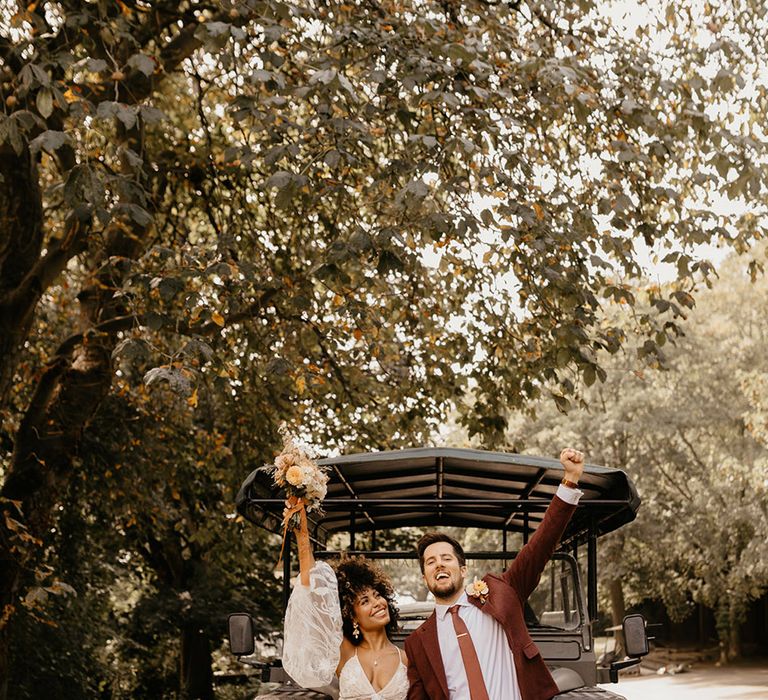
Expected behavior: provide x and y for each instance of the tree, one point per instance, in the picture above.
(700, 534)
(156, 554)
(313, 207)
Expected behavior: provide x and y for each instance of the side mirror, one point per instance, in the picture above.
(241, 634)
(635, 636)
(635, 645)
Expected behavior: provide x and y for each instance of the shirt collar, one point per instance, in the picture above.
(442, 610)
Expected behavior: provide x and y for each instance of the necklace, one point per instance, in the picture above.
(378, 654)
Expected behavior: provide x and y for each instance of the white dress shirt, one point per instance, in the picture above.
(490, 642)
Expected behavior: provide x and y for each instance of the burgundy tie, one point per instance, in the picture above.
(477, 689)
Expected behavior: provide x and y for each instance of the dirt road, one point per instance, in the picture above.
(700, 683)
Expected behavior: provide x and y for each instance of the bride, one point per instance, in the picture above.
(338, 623)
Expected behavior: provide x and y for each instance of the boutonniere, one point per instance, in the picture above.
(478, 589)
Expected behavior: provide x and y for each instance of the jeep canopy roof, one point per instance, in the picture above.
(448, 486)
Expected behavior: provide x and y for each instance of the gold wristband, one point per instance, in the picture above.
(569, 484)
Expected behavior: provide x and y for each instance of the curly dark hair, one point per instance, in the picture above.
(356, 574)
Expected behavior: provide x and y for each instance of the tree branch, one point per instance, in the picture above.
(45, 271)
(700, 463)
(124, 323)
(672, 482)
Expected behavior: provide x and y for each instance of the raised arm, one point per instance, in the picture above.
(312, 633)
(306, 558)
(525, 571)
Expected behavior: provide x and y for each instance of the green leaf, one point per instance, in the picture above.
(284, 197)
(9, 133)
(217, 28)
(323, 76)
(214, 35)
(179, 381)
(96, 65)
(332, 158)
(152, 115)
(41, 75)
(417, 189)
(155, 321)
(49, 141)
(138, 214)
(198, 349)
(278, 366)
(44, 102)
(106, 109)
(133, 159)
(142, 63)
(132, 349)
(388, 262)
(168, 287)
(279, 179)
(459, 52)
(127, 115)
(338, 252)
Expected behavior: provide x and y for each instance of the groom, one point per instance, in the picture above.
(477, 646)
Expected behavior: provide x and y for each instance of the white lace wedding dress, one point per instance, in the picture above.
(312, 641)
(354, 684)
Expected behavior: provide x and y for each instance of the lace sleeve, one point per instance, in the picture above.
(312, 633)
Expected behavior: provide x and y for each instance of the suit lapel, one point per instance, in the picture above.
(495, 606)
(490, 605)
(486, 607)
(432, 650)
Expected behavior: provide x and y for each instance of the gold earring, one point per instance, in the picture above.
(355, 629)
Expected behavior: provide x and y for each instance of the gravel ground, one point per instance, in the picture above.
(738, 682)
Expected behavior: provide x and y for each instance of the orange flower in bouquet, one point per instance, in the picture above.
(296, 471)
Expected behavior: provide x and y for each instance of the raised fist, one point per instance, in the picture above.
(573, 463)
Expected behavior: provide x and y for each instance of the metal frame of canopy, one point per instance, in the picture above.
(438, 487)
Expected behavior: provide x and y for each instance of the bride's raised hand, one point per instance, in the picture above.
(293, 505)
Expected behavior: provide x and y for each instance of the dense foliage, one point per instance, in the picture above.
(693, 438)
(218, 216)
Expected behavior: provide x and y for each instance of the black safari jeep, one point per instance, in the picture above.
(503, 494)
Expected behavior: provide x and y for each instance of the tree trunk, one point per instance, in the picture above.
(65, 400)
(196, 664)
(21, 240)
(67, 396)
(723, 626)
(618, 611)
(701, 625)
(737, 616)
(79, 376)
(21, 237)
(734, 641)
(730, 615)
(5, 661)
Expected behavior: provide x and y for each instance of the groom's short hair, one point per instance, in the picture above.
(433, 537)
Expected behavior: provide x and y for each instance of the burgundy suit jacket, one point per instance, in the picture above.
(505, 603)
